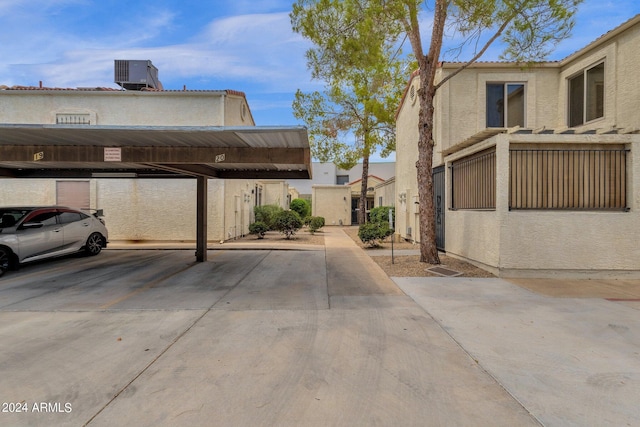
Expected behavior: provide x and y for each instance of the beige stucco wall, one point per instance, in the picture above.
(148, 209)
(372, 182)
(406, 155)
(238, 207)
(386, 191)
(626, 77)
(461, 111)
(275, 193)
(122, 108)
(622, 92)
(137, 209)
(333, 202)
(236, 112)
(14, 192)
(293, 193)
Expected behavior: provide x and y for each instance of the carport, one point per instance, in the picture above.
(203, 152)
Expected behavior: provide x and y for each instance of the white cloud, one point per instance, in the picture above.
(246, 49)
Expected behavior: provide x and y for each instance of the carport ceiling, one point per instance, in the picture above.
(85, 151)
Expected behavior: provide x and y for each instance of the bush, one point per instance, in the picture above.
(371, 233)
(267, 215)
(381, 214)
(288, 222)
(301, 206)
(258, 228)
(315, 223)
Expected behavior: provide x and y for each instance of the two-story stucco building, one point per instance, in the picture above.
(536, 168)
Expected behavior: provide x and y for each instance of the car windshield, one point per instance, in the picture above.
(9, 217)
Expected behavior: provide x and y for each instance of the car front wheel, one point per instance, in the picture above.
(5, 260)
(94, 244)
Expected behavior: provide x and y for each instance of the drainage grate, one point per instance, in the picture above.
(444, 271)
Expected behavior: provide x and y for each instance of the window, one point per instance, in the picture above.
(577, 179)
(586, 96)
(473, 181)
(73, 119)
(46, 218)
(258, 193)
(68, 217)
(342, 179)
(505, 104)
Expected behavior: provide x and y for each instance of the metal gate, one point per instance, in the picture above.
(439, 204)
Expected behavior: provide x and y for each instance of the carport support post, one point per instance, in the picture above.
(201, 207)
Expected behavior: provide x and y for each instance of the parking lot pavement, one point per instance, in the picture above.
(569, 361)
(282, 338)
(312, 337)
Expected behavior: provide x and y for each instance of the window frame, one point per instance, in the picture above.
(505, 112)
(583, 73)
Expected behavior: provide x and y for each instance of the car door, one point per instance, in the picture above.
(76, 228)
(40, 235)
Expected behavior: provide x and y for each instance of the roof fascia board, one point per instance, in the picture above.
(602, 40)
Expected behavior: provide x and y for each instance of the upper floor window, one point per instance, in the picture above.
(505, 105)
(342, 179)
(586, 95)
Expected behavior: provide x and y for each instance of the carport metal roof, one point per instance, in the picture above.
(85, 151)
(89, 151)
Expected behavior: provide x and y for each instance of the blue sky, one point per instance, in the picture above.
(243, 45)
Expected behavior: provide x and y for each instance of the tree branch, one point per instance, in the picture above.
(479, 54)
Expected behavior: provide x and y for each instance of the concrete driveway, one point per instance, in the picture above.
(311, 337)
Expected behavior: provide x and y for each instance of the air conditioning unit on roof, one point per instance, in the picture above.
(136, 74)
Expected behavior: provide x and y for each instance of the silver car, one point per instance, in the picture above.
(35, 233)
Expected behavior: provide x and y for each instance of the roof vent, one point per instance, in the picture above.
(136, 75)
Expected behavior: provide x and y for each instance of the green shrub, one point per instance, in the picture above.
(371, 233)
(258, 228)
(380, 214)
(301, 206)
(267, 214)
(315, 223)
(288, 222)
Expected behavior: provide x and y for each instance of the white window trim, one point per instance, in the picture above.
(504, 84)
(583, 72)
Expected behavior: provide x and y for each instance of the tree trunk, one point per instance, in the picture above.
(427, 69)
(362, 203)
(428, 249)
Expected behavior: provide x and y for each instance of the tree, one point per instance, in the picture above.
(301, 206)
(528, 28)
(355, 57)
